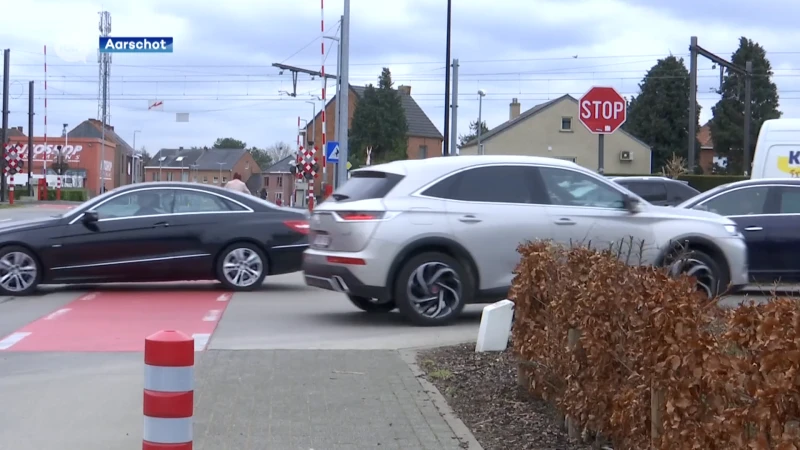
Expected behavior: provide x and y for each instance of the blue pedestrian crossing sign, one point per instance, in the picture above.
(332, 152)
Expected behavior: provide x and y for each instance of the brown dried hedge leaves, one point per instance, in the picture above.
(729, 379)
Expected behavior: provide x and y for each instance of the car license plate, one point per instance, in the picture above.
(322, 240)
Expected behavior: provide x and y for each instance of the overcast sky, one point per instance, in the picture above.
(220, 72)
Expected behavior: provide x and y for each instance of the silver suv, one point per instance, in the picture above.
(429, 236)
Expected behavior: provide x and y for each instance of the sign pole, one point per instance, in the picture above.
(601, 138)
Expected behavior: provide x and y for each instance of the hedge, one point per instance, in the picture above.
(632, 355)
(67, 194)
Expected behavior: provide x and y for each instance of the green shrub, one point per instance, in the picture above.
(707, 182)
(69, 194)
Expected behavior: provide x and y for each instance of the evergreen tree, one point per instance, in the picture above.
(473, 132)
(727, 125)
(379, 122)
(659, 115)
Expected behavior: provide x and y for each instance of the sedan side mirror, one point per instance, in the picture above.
(90, 217)
(630, 204)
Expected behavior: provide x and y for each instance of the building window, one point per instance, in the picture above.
(155, 176)
(205, 179)
(279, 196)
(423, 151)
(169, 176)
(266, 181)
(224, 179)
(566, 124)
(279, 181)
(216, 180)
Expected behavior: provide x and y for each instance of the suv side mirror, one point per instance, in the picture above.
(90, 217)
(630, 204)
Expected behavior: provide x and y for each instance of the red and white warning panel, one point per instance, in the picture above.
(120, 322)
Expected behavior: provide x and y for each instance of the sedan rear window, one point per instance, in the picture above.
(368, 184)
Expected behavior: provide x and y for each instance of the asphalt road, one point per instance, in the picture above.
(71, 367)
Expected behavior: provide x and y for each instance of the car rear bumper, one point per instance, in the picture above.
(339, 278)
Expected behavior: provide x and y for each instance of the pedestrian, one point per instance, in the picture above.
(236, 184)
(278, 202)
(263, 193)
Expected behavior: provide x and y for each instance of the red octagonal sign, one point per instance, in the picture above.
(602, 110)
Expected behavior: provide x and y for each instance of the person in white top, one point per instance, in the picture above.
(236, 184)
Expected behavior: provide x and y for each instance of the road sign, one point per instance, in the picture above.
(332, 152)
(14, 160)
(602, 110)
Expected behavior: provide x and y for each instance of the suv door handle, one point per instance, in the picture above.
(753, 229)
(161, 225)
(469, 218)
(565, 221)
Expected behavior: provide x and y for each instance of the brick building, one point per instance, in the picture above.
(706, 151)
(121, 159)
(279, 181)
(424, 139)
(203, 165)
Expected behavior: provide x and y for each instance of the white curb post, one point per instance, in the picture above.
(495, 327)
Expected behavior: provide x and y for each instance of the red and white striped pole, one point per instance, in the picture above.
(46, 149)
(168, 391)
(11, 190)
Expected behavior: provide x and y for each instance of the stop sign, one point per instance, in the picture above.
(602, 110)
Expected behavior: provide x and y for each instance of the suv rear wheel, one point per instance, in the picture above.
(432, 288)
(372, 305)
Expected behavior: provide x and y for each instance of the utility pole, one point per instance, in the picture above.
(337, 119)
(344, 109)
(447, 80)
(747, 71)
(4, 137)
(30, 138)
(454, 127)
(104, 60)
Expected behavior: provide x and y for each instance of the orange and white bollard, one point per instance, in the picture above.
(168, 391)
(11, 190)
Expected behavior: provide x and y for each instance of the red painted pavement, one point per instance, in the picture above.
(120, 321)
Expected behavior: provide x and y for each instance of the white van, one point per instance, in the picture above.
(777, 150)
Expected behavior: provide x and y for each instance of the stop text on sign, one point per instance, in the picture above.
(599, 109)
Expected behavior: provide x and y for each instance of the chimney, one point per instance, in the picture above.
(180, 148)
(403, 89)
(513, 109)
(19, 129)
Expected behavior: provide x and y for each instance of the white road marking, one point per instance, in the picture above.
(57, 314)
(212, 316)
(200, 341)
(88, 297)
(224, 298)
(12, 339)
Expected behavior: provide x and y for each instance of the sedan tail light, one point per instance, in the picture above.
(301, 226)
(359, 216)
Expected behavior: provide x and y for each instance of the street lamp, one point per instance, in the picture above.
(134, 174)
(220, 172)
(313, 121)
(481, 94)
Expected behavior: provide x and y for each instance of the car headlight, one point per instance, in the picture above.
(732, 229)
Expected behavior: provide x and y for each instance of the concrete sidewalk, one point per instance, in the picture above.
(321, 400)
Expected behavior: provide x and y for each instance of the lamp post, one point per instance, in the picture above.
(447, 62)
(313, 123)
(481, 94)
(220, 172)
(134, 174)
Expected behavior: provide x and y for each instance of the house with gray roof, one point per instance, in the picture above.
(122, 151)
(553, 129)
(204, 165)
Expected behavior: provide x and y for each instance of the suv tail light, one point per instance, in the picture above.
(359, 216)
(301, 226)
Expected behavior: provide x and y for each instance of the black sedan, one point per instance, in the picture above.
(155, 232)
(767, 212)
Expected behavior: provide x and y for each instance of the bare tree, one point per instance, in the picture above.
(279, 150)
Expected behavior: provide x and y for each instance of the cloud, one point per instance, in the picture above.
(221, 70)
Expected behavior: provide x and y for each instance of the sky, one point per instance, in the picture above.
(221, 70)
